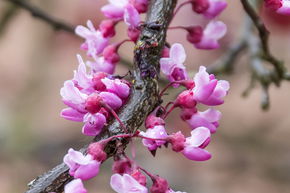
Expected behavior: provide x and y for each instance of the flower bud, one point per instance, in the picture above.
(160, 185)
(107, 28)
(110, 54)
(177, 141)
(97, 81)
(185, 100)
(97, 151)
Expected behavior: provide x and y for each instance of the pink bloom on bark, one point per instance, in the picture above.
(75, 186)
(173, 66)
(280, 6)
(80, 166)
(117, 86)
(208, 119)
(208, 90)
(214, 31)
(215, 8)
(195, 144)
(126, 184)
(157, 132)
(95, 42)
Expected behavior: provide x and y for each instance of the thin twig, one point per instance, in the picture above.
(40, 14)
(264, 37)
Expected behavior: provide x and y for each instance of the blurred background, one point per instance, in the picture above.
(251, 150)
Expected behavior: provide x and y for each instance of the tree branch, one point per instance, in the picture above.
(40, 14)
(264, 37)
(144, 93)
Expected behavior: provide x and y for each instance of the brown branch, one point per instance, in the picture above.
(40, 14)
(144, 93)
(264, 37)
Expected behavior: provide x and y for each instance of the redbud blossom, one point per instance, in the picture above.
(200, 6)
(280, 6)
(195, 144)
(80, 166)
(97, 81)
(117, 86)
(126, 184)
(107, 28)
(95, 42)
(97, 151)
(160, 185)
(208, 119)
(195, 34)
(111, 55)
(208, 90)
(185, 99)
(215, 8)
(139, 176)
(122, 166)
(115, 10)
(157, 132)
(140, 5)
(94, 124)
(100, 64)
(75, 186)
(177, 141)
(152, 120)
(214, 31)
(132, 19)
(187, 113)
(173, 66)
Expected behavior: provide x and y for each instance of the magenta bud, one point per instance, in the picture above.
(185, 99)
(200, 6)
(165, 52)
(110, 54)
(97, 81)
(133, 34)
(152, 121)
(177, 141)
(122, 166)
(97, 151)
(139, 176)
(93, 103)
(187, 113)
(160, 185)
(194, 34)
(107, 28)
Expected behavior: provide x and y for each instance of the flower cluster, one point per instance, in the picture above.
(94, 96)
(280, 6)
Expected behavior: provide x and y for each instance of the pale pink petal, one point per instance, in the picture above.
(113, 12)
(285, 9)
(111, 99)
(198, 137)
(196, 154)
(215, 8)
(116, 86)
(75, 186)
(88, 171)
(72, 115)
(117, 183)
(177, 53)
(101, 65)
(93, 124)
(166, 65)
(211, 115)
(72, 94)
(81, 76)
(197, 120)
(131, 16)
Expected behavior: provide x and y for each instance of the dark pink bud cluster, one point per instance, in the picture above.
(280, 6)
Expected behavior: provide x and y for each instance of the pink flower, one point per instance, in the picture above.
(94, 124)
(101, 65)
(152, 120)
(157, 132)
(140, 5)
(208, 90)
(195, 144)
(177, 141)
(173, 66)
(214, 31)
(126, 184)
(107, 28)
(75, 186)
(80, 166)
(215, 8)
(115, 10)
(160, 185)
(82, 79)
(132, 19)
(200, 6)
(185, 99)
(117, 86)
(208, 119)
(280, 6)
(95, 42)
(111, 55)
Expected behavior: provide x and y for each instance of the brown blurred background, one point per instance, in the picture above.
(251, 150)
